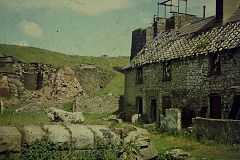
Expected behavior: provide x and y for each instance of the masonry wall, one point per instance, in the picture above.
(226, 130)
(140, 37)
(189, 88)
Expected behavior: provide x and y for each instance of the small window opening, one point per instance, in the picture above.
(215, 64)
(139, 78)
(167, 76)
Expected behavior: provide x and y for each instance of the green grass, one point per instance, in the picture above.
(31, 54)
(68, 106)
(91, 118)
(20, 119)
(165, 142)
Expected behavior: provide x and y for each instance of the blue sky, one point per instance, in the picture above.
(81, 27)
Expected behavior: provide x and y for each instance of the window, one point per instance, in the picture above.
(215, 64)
(139, 77)
(167, 76)
(139, 105)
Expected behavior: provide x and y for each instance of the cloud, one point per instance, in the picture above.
(30, 28)
(21, 43)
(88, 7)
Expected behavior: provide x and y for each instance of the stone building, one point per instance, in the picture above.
(194, 67)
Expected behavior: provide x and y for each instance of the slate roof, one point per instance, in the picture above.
(199, 38)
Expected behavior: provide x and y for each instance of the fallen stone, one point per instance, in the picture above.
(61, 115)
(10, 139)
(58, 134)
(82, 136)
(32, 133)
(149, 152)
(113, 118)
(103, 133)
(178, 153)
(140, 136)
(135, 118)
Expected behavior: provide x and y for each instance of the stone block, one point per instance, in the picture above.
(58, 134)
(10, 139)
(103, 133)
(32, 133)
(135, 117)
(149, 152)
(82, 136)
(60, 115)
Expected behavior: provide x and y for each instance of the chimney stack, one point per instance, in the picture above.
(219, 10)
(204, 11)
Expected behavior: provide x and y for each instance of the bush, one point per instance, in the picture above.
(43, 150)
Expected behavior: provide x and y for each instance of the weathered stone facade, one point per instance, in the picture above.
(189, 88)
(193, 67)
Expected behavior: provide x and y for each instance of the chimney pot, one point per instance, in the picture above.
(204, 11)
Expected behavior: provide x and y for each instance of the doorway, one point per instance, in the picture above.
(153, 110)
(139, 105)
(166, 104)
(235, 109)
(215, 106)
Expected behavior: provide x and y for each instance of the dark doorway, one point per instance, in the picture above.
(166, 104)
(153, 110)
(235, 109)
(215, 106)
(139, 105)
(39, 80)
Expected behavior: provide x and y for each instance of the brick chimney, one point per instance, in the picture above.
(219, 10)
(225, 9)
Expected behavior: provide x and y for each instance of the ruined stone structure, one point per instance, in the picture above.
(31, 74)
(194, 67)
(141, 37)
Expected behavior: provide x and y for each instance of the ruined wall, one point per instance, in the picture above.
(97, 104)
(229, 8)
(91, 78)
(140, 37)
(190, 87)
(183, 19)
(172, 120)
(225, 129)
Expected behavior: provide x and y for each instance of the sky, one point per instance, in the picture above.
(82, 27)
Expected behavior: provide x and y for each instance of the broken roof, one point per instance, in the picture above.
(194, 39)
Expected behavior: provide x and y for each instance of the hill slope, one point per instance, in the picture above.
(31, 54)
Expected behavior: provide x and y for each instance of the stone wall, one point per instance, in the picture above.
(217, 129)
(140, 37)
(80, 137)
(172, 120)
(91, 78)
(189, 88)
(98, 104)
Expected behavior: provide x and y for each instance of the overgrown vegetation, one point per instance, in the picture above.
(46, 150)
(202, 45)
(10, 117)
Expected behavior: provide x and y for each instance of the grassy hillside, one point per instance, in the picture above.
(31, 54)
